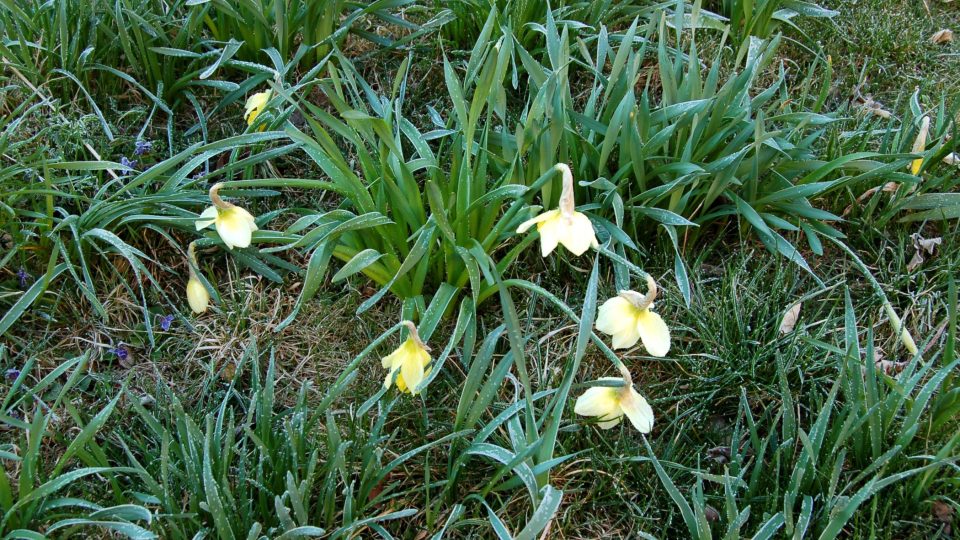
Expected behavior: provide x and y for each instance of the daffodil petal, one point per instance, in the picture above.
(653, 332)
(636, 408)
(207, 218)
(598, 401)
(550, 231)
(577, 233)
(610, 423)
(412, 371)
(525, 226)
(616, 315)
(233, 228)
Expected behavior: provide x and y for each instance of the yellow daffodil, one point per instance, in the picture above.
(255, 105)
(197, 295)
(629, 318)
(920, 144)
(408, 362)
(564, 225)
(610, 404)
(234, 224)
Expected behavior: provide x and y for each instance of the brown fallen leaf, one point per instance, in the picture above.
(942, 36)
(944, 514)
(790, 318)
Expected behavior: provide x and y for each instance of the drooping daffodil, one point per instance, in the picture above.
(920, 144)
(564, 225)
(610, 404)
(197, 295)
(629, 318)
(408, 362)
(234, 224)
(256, 105)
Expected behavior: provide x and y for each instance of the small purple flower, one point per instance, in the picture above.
(128, 163)
(165, 322)
(12, 374)
(23, 277)
(142, 147)
(121, 351)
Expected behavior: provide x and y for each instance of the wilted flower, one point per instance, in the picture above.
(609, 404)
(629, 318)
(234, 224)
(12, 374)
(197, 295)
(564, 225)
(255, 105)
(920, 144)
(408, 362)
(142, 147)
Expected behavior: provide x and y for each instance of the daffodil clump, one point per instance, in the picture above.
(563, 226)
(610, 404)
(256, 104)
(407, 365)
(197, 295)
(234, 224)
(629, 318)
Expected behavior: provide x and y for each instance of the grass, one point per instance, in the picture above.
(387, 177)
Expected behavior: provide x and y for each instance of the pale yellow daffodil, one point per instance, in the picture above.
(610, 404)
(564, 225)
(197, 295)
(408, 363)
(920, 144)
(629, 318)
(234, 224)
(256, 105)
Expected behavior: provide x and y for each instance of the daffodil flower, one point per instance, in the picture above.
(610, 404)
(629, 318)
(920, 144)
(564, 225)
(255, 105)
(408, 362)
(234, 224)
(197, 295)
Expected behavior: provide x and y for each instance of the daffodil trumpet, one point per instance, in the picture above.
(609, 404)
(197, 296)
(629, 317)
(563, 226)
(234, 224)
(407, 365)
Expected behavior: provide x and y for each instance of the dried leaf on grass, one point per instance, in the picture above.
(942, 36)
(921, 245)
(790, 318)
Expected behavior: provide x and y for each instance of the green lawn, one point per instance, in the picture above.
(810, 389)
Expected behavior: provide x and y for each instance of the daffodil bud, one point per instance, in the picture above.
(610, 404)
(898, 327)
(234, 224)
(920, 144)
(256, 105)
(407, 365)
(197, 295)
(563, 226)
(629, 318)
